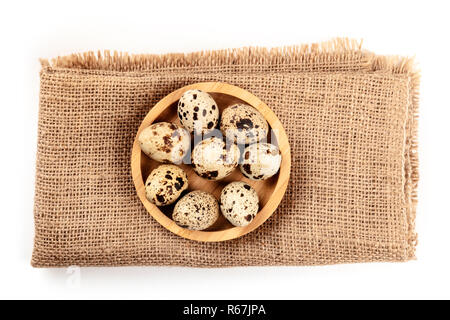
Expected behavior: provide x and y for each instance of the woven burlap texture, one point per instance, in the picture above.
(351, 119)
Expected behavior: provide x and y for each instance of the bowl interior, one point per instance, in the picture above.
(264, 188)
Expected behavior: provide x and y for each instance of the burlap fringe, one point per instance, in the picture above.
(335, 50)
(407, 66)
(340, 49)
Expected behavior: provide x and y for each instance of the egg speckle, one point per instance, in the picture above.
(239, 203)
(260, 161)
(243, 124)
(165, 184)
(198, 112)
(165, 142)
(197, 210)
(215, 159)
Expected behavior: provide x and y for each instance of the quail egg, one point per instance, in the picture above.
(165, 184)
(165, 142)
(197, 210)
(239, 203)
(214, 159)
(260, 161)
(198, 112)
(243, 124)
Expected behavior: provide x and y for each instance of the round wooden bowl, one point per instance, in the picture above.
(270, 191)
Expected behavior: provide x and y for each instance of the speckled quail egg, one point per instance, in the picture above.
(165, 142)
(165, 184)
(215, 159)
(198, 112)
(197, 210)
(243, 124)
(239, 203)
(260, 161)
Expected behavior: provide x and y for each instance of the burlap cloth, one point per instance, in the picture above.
(351, 118)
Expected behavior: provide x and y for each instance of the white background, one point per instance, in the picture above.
(34, 29)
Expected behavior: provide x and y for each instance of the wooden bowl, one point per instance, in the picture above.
(270, 191)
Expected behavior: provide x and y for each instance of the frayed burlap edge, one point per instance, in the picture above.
(336, 50)
(407, 66)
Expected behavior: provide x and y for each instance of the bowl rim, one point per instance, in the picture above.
(281, 184)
